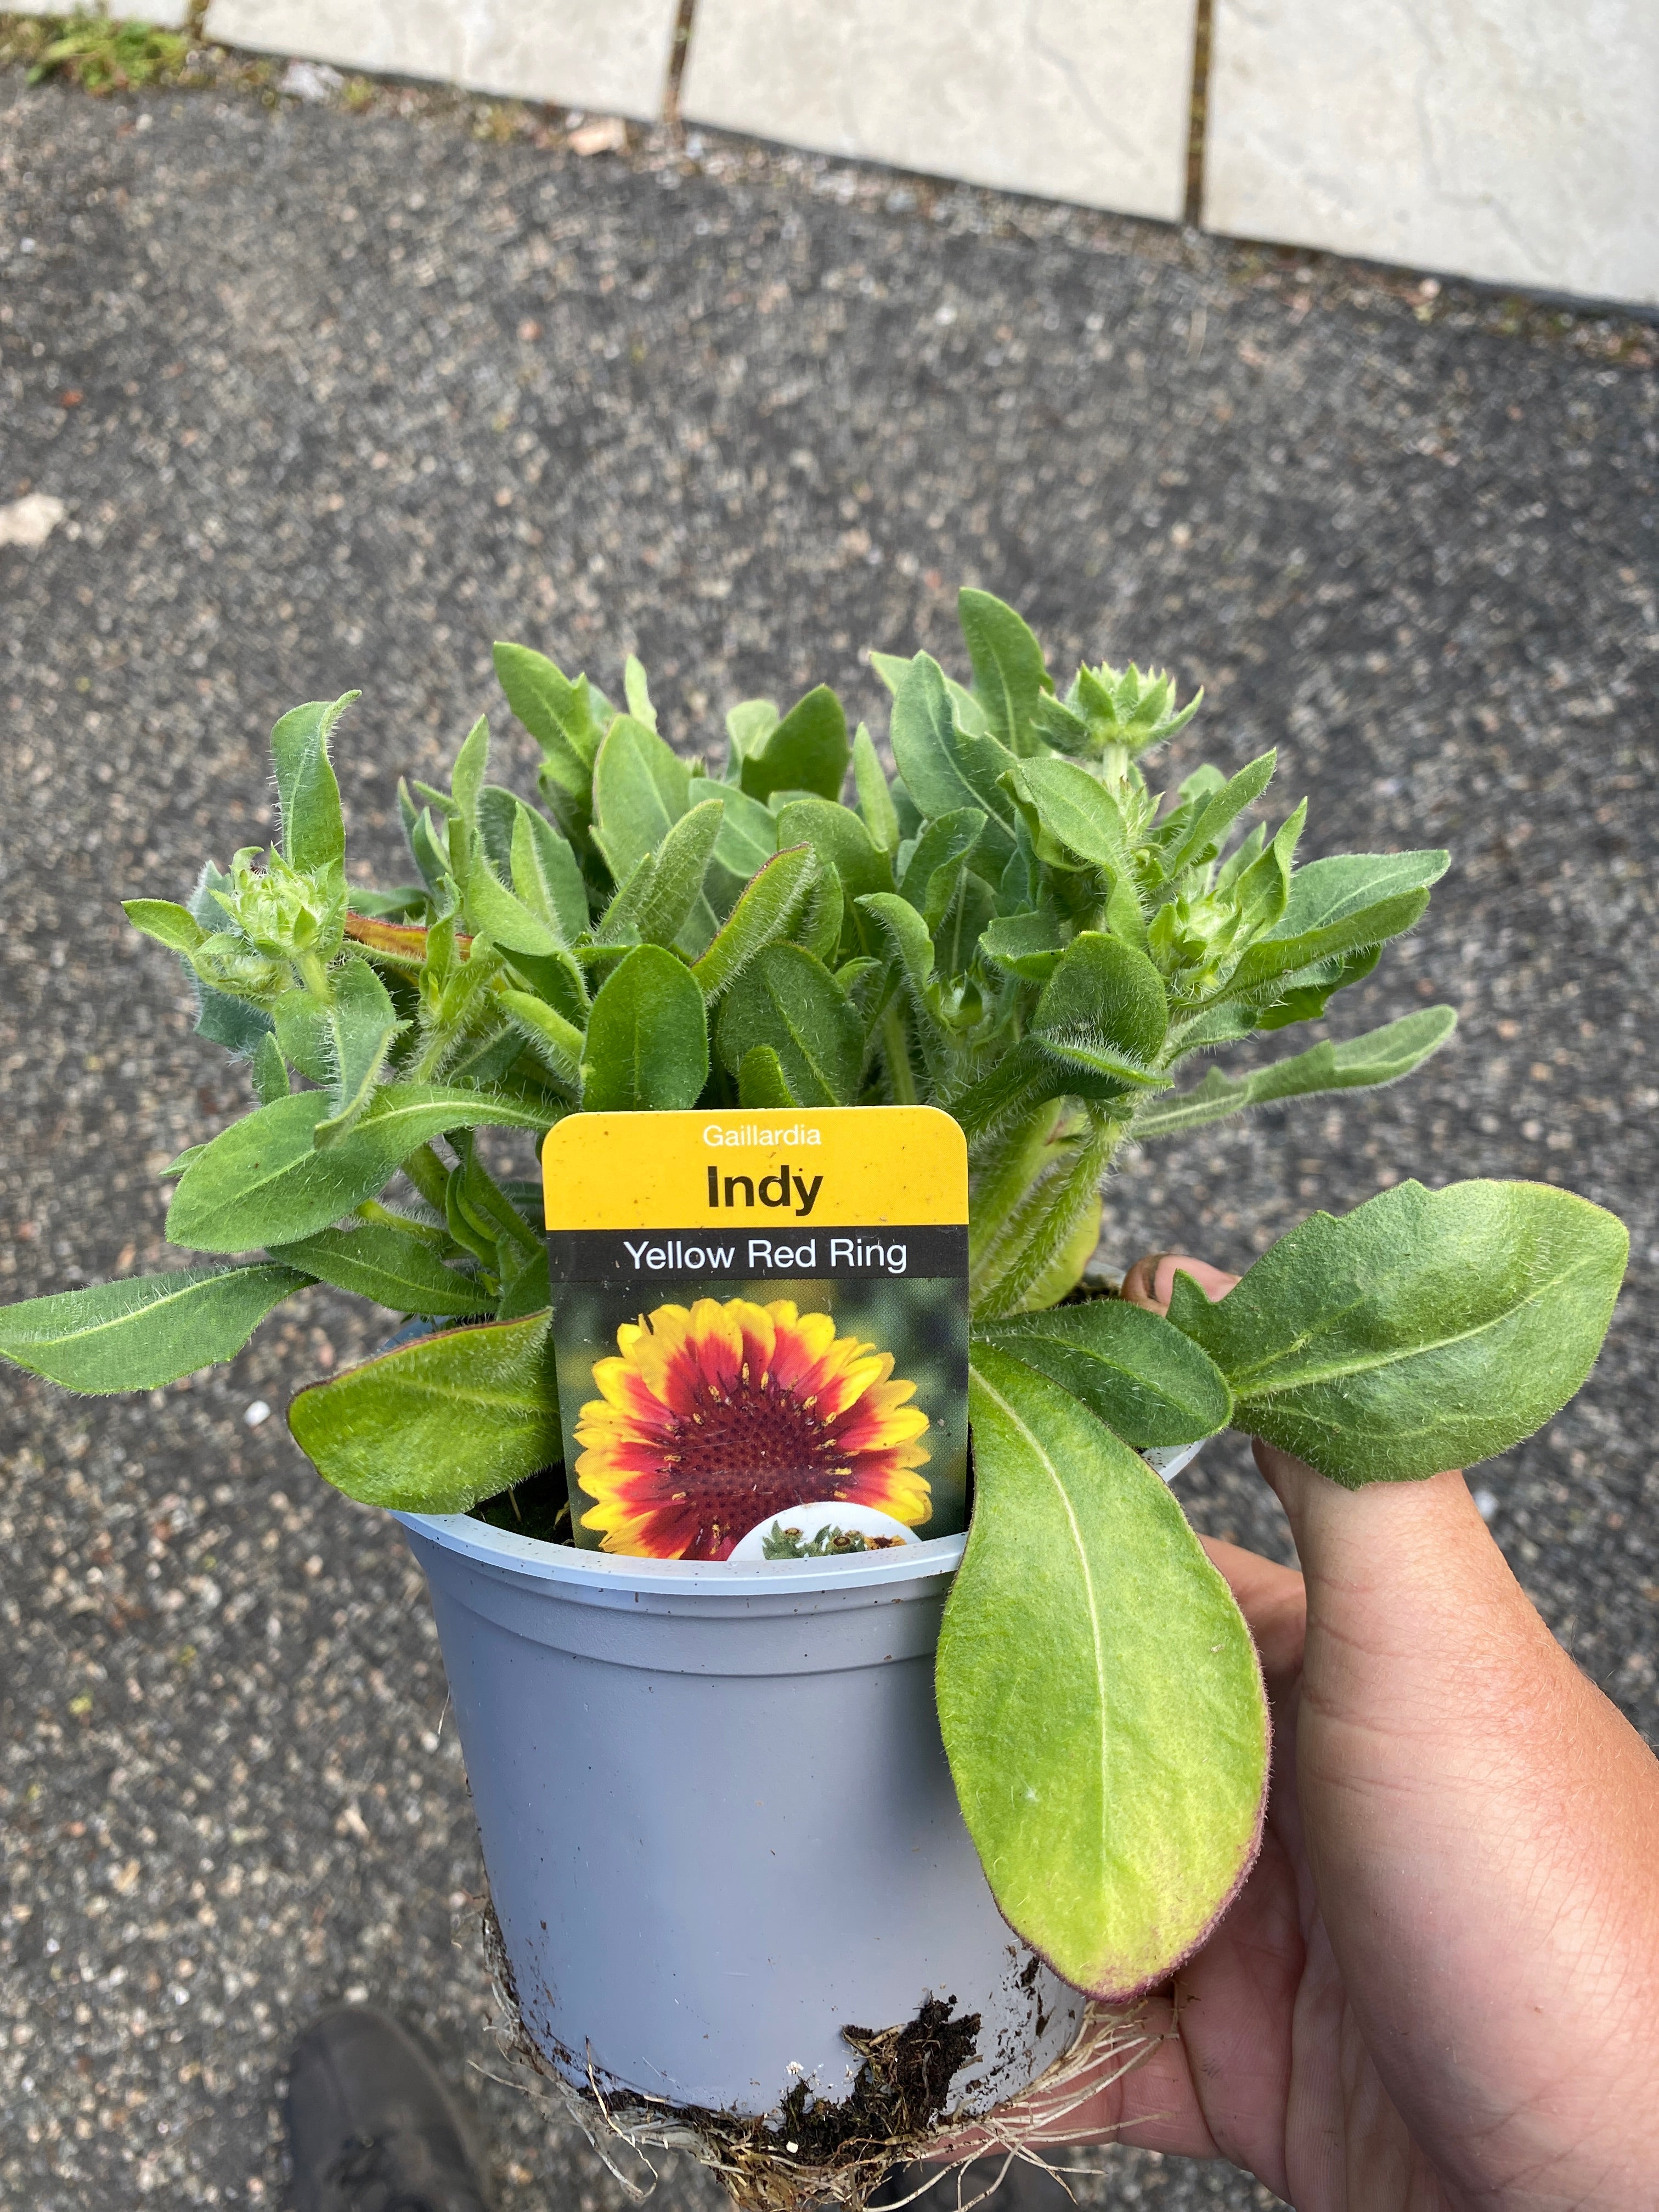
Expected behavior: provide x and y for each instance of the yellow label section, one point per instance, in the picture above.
(857, 1166)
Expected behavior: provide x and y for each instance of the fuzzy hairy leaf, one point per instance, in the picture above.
(1009, 676)
(1103, 1010)
(547, 876)
(262, 1181)
(768, 907)
(1133, 1369)
(399, 1272)
(1425, 1330)
(945, 767)
(1263, 964)
(1328, 891)
(640, 789)
(790, 1001)
(647, 1037)
(439, 1423)
(1381, 1057)
(807, 750)
(169, 923)
(1099, 1694)
(362, 1023)
(676, 911)
(144, 1331)
(313, 827)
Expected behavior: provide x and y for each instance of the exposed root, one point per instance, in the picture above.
(818, 2151)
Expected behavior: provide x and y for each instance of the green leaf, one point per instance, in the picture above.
(303, 1036)
(270, 1072)
(466, 778)
(1221, 810)
(559, 714)
(547, 876)
(1263, 964)
(636, 690)
(675, 910)
(556, 1043)
(262, 1181)
(1381, 1057)
(647, 1037)
(1009, 676)
(505, 918)
(313, 828)
(935, 865)
(1026, 945)
(807, 751)
(748, 725)
(761, 1083)
(1075, 812)
(144, 1331)
(361, 1024)
(874, 796)
(840, 841)
(640, 789)
(1132, 1368)
(380, 1263)
(527, 1290)
(790, 1001)
(765, 912)
(1425, 1330)
(748, 839)
(437, 1425)
(1328, 891)
(1103, 1010)
(1099, 1695)
(169, 923)
(946, 767)
(498, 812)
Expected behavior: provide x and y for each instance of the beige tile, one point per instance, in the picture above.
(1512, 140)
(1079, 99)
(603, 54)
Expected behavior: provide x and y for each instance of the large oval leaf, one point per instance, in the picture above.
(146, 1331)
(647, 1037)
(262, 1181)
(439, 1423)
(1426, 1329)
(1099, 1694)
(790, 1001)
(1148, 1383)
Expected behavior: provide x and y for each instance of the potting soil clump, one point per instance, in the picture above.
(815, 2150)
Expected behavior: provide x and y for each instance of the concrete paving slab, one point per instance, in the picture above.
(1511, 140)
(1085, 100)
(333, 398)
(607, 54)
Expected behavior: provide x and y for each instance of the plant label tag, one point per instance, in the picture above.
(755, 1312)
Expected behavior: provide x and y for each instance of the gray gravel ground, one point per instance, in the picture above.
(335, 399)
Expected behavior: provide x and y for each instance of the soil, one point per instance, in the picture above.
(812, 2149)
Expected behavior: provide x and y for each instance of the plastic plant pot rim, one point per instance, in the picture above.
(608, 1578)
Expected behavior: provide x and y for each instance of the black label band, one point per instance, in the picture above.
(792, 1252)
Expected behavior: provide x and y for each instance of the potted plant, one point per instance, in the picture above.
(721, 1830)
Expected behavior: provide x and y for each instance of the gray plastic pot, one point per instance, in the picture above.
(717, 1819)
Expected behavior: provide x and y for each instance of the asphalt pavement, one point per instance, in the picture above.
(335, 398)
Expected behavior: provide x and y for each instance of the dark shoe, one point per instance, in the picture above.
(370, 2126)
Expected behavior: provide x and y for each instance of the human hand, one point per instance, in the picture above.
(1439, 1987)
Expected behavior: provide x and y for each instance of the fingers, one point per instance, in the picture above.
(1151, 1281)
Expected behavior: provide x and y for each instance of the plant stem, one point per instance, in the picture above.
(901, 1077)
(315, 977)
(1006, 1171)
(429, 1177)
(406, 1226)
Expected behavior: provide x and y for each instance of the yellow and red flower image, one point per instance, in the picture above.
(712, 1417)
